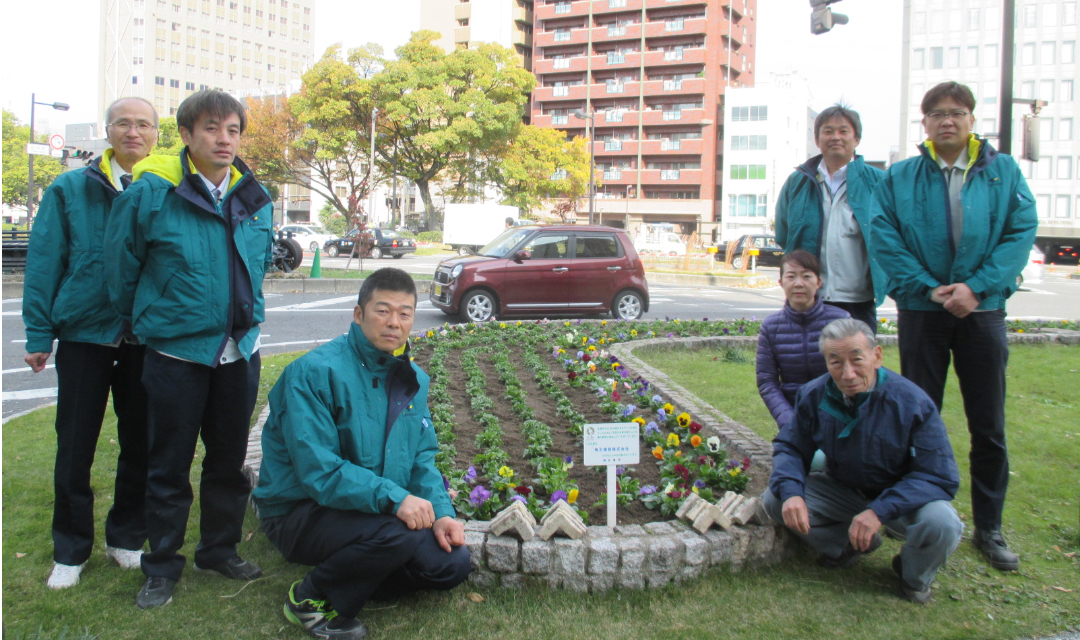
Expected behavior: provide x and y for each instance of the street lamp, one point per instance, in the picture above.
(592, 164)
(59, 106)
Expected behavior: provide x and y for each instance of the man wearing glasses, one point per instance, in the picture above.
(953, 228)
(65, 298)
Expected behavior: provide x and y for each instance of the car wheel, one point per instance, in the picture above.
(736, 262)
(463, 251)
(332, 251)
(287, 255)
(314, 246)
(376, 253)
(477, 306)
(627, 306)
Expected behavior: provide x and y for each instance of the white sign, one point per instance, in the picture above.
(612, 443)
(57, 153)
(56, 141)
(38, 149)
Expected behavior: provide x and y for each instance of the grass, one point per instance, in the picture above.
(793, 600)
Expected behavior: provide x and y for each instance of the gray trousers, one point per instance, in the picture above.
(932, 532)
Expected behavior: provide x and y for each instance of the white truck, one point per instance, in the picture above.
(468, 227)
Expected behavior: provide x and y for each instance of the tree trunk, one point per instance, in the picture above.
(429, 206)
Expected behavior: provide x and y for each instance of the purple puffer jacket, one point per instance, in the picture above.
(788, 355)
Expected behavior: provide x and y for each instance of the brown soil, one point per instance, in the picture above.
(591, 481)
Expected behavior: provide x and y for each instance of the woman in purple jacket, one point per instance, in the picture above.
(787, 353)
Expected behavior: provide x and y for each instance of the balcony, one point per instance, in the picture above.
(573, 92)
(579, 35)
(461, 35)
(560, 92)
(615, 147)
(523, 15)
(671, 176)
(670, 145)
(624, 118)
(522, 39)
(734, 7)
(551, 65)
(616, 58)
(688, 147)
(562, 8)
(613, 116)
(626, 32)
(560, 63)
(612, 174)
(560, 120)
(463, 11)
(615, 31)
(656, 4)
(614, 87)
(694, 55)
(563, 35)
(688, 26)
(547, 11)
(689, 86)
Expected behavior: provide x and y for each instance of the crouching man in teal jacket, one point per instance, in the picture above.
(348, 480)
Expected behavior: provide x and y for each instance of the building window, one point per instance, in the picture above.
(918, 59)
(747, 172)
(954, 57)
(1065, 129)
(937, 57)
(1065, 91)
(973, 20)
(190, 86)
(747, 206)
(989, 126)
(1061, 206)
(955, 23)
(675, 25)
(1064, 167)
(134, 79)
(1042, 205)
(1049, 14)
(562, 7)
(562, 35)
(1031, 15)
(990, 55)
(1046, 90)
(972, 56)
(1027, 54)
(990, 92)
(1068, 13)
(158, 80)
(918, 22)
(1068, 52)
(1046, 132)
(175, 84)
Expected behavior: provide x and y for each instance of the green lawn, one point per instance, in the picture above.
(793, 600)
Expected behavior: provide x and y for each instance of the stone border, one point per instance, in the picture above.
(639, 556)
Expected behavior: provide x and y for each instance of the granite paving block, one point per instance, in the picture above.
(632, 553)
(603, 556)
(502, 554)
(536, 557)
(569, 557)
(665, 553)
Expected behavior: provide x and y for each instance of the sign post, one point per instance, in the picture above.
(611, 444)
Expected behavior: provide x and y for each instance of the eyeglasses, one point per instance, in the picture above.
(952, 115)
(124, 126)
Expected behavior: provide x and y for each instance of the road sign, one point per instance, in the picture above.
(56, 141)
(57, 153)
(38, 149)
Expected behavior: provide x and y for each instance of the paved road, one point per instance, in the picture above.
(300, 321)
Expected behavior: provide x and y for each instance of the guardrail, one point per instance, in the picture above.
(14, 250)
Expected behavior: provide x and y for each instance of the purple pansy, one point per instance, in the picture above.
(479, 495)
(558, 495)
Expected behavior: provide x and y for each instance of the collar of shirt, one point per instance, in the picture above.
(223, 187)
(835, 180)
(961, 161)
(117, 171)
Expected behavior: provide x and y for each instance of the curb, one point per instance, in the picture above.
(320, 285)
(709, 281)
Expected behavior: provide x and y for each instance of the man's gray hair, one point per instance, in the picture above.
(840, 110)
(108, 112)
(846, 328)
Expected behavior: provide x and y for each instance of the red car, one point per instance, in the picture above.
(557, 270)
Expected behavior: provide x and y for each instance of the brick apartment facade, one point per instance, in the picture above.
(654, 73)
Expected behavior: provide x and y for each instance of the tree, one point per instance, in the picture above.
(438, 108)
(169, 142)
(16, 166)
(318, 138)
(540, 164)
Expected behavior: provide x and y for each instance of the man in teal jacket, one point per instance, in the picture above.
(953, 228)
(348, 480)
(64, 298)
(188, 245)
(824, 208)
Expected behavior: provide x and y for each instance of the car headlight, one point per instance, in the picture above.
(456, 271)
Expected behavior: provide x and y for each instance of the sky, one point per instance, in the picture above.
(50, 48)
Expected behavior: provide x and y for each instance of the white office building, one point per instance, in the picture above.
(961, 40)
(768, 131)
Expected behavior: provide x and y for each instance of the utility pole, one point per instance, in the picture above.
(371, 168)
(1008, 33)
(59, 106)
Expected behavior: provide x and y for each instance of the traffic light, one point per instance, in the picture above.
(822, 19)
(77, 154)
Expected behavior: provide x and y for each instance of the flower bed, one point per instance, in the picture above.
(529, 387)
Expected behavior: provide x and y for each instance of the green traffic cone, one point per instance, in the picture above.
(316, 267)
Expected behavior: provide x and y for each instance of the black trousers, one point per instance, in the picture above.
(980, 353)
(188, 400)
(85, 374)
(360, 556)
(865, 311)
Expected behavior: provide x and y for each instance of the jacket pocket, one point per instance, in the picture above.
(179, 307)
(82, 300)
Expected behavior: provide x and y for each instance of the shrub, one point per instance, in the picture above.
(430, 236)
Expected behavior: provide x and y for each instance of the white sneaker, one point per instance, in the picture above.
(126, 558)
(64, 575)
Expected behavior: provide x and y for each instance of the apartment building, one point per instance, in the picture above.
(961, 40)
(652, 75)
(164, 50)
(463, 22)
(768, 131)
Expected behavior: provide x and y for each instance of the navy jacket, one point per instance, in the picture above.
(788, 356)
(892, 447)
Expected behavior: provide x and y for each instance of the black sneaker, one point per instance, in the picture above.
(918, 596)
(849, 557)
(993, 547)
(157, 592)
(235, 568)
(319, 619)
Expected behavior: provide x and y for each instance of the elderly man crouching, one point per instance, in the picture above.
(889, 462)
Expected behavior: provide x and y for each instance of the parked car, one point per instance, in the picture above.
(769, 253)
(550, 270)
(1033, 272)
(309, 236)
(386, 242)
(668, 244)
